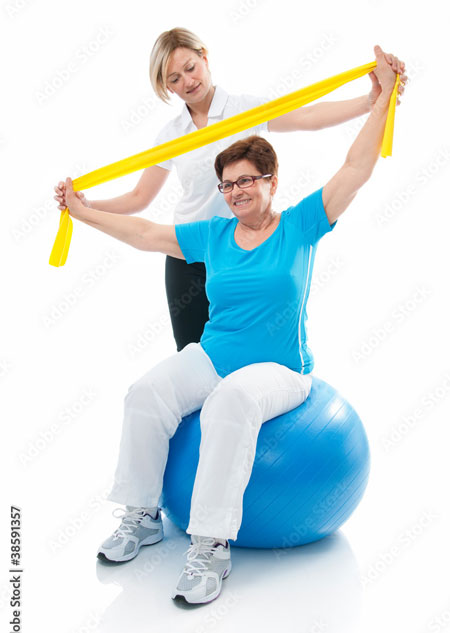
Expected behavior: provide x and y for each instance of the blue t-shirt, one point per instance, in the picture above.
(258, 297)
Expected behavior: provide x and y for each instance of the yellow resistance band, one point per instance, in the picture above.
(212, 133)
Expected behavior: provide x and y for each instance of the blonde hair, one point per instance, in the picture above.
(166, 43)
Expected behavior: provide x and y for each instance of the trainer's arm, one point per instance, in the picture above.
(146, 190)
(133, 201)
(138, 232)
(320, 115)
(329, 113)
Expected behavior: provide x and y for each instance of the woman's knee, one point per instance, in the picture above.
(144, 391)
(147, 407)
(229, 399)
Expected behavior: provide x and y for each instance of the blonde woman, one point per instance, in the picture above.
(179, 65)
(258, 261)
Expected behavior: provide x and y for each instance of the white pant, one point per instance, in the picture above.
(232, 411)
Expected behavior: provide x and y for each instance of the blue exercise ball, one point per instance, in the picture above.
(310, 471)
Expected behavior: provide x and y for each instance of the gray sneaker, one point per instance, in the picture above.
(208, 562)
(138, 528)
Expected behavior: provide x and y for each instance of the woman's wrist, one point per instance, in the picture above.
(381, 105)
(82, 212)
(385, 94)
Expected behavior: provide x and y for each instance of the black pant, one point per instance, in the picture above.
(188, 303)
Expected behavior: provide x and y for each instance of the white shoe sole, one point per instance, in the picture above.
(210, 598)
(150, 540)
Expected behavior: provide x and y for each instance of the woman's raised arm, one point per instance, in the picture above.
(363, 154)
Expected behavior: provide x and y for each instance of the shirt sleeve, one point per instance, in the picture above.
(160, 138)
(193, 239)
(310, 218)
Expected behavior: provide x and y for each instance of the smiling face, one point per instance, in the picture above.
(188, 75)
(252, 203)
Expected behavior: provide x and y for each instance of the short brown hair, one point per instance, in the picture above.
(166, 43)
(254, 149)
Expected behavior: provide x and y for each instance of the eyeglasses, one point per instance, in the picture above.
(242, 182)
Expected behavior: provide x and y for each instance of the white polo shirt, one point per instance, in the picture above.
(201, 200)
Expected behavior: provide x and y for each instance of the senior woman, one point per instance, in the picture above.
(244, 371)
(179, 65)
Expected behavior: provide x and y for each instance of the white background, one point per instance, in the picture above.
(74, 338)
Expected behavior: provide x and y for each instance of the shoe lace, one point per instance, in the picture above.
(130, 521)
(203, 547)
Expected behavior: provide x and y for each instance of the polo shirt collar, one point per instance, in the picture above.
(216, 108)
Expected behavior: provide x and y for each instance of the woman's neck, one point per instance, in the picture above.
(262, 224)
